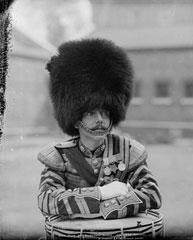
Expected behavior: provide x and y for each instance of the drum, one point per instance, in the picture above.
(141, 226)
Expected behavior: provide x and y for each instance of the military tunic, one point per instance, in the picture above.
(66, 190)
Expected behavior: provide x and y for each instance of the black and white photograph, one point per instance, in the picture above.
(96, 119)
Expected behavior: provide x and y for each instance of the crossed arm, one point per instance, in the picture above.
(138, 192)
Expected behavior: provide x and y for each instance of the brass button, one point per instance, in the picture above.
(95, 162)
(82, 148)
(121, 198)
(113, 201)
(96, 170)
(106, 204)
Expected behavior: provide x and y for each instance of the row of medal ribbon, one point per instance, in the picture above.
(110, 167)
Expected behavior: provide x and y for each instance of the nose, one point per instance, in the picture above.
(99, 119)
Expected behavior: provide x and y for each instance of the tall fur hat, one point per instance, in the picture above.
(88, 74)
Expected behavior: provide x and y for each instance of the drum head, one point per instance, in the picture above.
(97, 224)
(149, 225)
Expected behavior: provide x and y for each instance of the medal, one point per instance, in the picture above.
(107, 171)
(107, 180)
(106, 161)
(121, 166)
(113, 168)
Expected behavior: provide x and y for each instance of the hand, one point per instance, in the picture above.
(113, 189)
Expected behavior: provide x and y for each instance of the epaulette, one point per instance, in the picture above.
(138, 154)
(51, 157)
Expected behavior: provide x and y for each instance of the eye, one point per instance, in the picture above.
(91, 113)
(105, 113)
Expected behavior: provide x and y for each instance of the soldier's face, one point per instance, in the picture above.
(97, 121)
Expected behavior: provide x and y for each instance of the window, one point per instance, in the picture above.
(137, 99)
(162, 89)
(187, 98)
(137, 89)
(162, 92)
(188, 89)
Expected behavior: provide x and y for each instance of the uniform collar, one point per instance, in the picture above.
(88, 153)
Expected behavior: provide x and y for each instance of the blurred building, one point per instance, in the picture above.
(158, 36)
(27, 101)
(33, 41)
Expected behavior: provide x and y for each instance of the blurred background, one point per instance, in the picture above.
(158, 36)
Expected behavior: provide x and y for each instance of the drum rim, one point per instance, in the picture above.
(156, 214)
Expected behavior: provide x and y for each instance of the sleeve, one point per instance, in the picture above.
(144, 192)
(55, 199)
(145, 187)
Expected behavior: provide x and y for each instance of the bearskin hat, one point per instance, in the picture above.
(89, 74)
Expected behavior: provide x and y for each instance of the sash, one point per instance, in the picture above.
(119, 145)
(74, 156)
